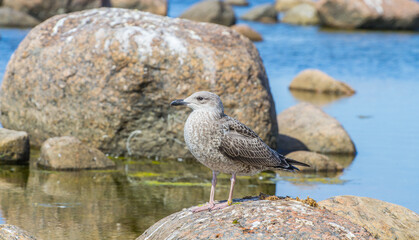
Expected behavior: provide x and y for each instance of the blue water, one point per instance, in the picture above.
(383, 67)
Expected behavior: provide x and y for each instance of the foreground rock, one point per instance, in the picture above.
(107, 76)
(14, 146)
(8, 232)
(263, 13)
(212, 11)
(314, 80)
(12, 18)
(314, 128)
(302, 14)
(384, 220)
(248, 32)
(264, 219)
(370, 14)
(285, 5)
(159, 7)
(68, 153)
(318, 162)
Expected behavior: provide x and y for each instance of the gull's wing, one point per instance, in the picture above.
(242, 144)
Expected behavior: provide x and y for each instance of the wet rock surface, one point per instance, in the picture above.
(382, 219)
(14, 146)
(389, 14)
(107, 77)
(248, 32)
(263, 13)
(314, 80)
(11, 232)
(261, 219)
(212, 11)
(302, 14)
(318, 162)
(315, 129)
(68, 153)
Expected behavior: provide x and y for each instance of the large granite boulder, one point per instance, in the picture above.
(315, 129)
(318, 162)
(14, 146)
(389, 14)
(212, 11)
(68, 153)
(314, 80)
(285, 5)
(13, 18)
(248, 32)
(263, 219)
(384, 220)
(9, 232)
(302, 14)
(107, 77)
(159, 7)
(265, 13)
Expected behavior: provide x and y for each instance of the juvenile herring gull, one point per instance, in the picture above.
(226, 145)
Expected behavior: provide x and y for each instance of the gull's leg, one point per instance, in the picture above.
(230, 195)
(211, 203)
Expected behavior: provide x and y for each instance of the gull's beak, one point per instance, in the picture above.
(178, 102)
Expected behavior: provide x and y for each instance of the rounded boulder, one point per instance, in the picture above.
(107, 76)
(318, 162)
(315, 129)
(212, 11)
(302, 14)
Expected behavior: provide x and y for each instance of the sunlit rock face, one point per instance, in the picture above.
(14, 146)
(280, 219)
(107, 76)
(377, 14)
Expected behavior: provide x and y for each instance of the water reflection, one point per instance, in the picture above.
(317, 99)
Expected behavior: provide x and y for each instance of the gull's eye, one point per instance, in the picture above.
(199, 98)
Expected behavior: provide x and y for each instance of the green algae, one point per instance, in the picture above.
(143, 174)
(176, 184)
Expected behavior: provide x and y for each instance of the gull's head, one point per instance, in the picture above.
(206, 101)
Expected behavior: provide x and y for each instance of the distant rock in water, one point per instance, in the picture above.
(13, 18)
(68, 153)
(237, 2)
(248, 32)
(302, 14)
(212, 11)
(317, 81)
(315, 129)
(263, 13)
(14, 146)
(260, 219)
(107, 76)
(388, 14)
(285, 5)
(383, 219)
(318, 162)
(159, 7)
(9, 232)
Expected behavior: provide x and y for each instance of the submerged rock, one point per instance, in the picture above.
(248, 32)
(107, 76)
(14, 146)
(68, 153)
(263, 13)
(9, 232)
(384, 220)
(318, 162)
(13, 18)
(389, 14)
(212, 11)
(159, 7)
(318, 131)
(314, 80)
(302, 14)
(263, 219)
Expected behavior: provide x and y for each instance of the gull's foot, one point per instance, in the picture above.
(211, 207)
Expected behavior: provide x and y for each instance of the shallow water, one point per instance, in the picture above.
(383, 67)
